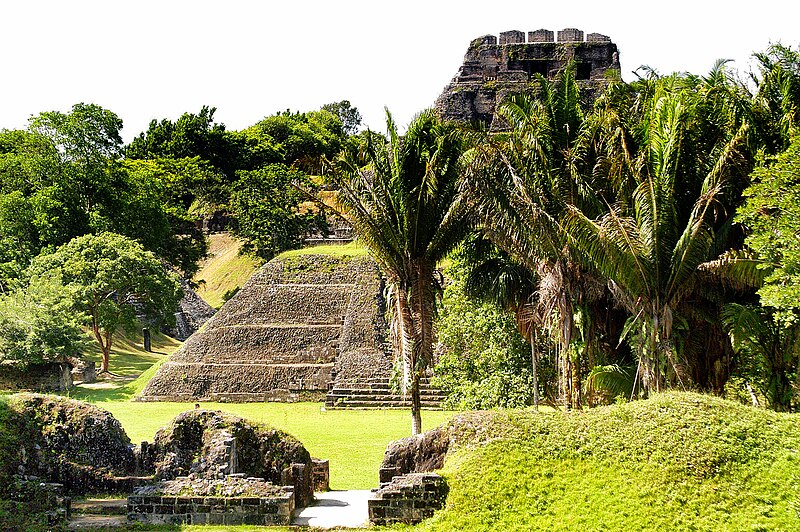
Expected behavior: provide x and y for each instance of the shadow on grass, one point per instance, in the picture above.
(121, 388)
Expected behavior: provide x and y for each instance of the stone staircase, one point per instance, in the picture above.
(98, 514)
(378, 393)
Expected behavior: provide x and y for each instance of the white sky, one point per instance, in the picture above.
(148, 59)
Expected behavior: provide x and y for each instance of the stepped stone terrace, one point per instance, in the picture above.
(301, 328)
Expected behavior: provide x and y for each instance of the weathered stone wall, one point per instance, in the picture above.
(33, 505)
(415, 454)
(84, 371)
(192, 313)
(408, 499)
(243, 382)
(176, 510)
(364, 351)
(320, 475)
(213, 444)
(266, 344)
(494, 69)
(286, 303)
(48, 377)
(72, 443)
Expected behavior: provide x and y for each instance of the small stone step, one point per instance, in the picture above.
(351, 392)
(100, 506)
(354, 403)
(378, 393)
(83, 522)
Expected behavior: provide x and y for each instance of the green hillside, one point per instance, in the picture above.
(224, 270)
(678, 461)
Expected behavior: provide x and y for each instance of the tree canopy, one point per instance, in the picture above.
(112, 279)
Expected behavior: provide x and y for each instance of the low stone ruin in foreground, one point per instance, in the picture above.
(204, 467)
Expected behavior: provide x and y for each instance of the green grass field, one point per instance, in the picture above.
(128, 358)
(352, 249)
(353, 440)
(678, 461)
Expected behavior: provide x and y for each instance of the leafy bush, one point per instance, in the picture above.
(270, 211)
(484, 362)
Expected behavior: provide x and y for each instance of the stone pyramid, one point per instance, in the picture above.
(296, 326)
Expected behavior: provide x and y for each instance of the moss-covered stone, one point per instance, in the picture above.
(214, 444)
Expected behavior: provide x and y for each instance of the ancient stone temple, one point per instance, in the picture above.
(310, 327)
(495, 67)
(297, 326)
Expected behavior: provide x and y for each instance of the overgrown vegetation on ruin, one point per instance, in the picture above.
(677, 461)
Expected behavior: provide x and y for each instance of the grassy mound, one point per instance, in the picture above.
(678, 461)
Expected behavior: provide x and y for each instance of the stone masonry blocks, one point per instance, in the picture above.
(280, 337)
(408, 499)
(512, 37)
(174, 510)
(570, 35)
(541, 35)
(597, 37)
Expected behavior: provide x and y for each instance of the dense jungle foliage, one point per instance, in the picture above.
(598, 251)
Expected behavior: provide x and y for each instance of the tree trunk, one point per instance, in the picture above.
(416, 406)
(104, 340)
(106, 352)
(422, 301)
(534, 370)
(577, 401)
(414, 309)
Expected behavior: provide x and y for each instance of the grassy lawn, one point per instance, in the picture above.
(128, 358)
(678, 461)
(352, 249)
(353, 440)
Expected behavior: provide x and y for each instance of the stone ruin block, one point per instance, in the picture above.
(570, 35)
(597, 37)
(158, 510)
(541, 35)
(320, 474)
(84, 371)
(512, 37)
(512, 75)
(408, 499)
(484, 40)
(299, 476)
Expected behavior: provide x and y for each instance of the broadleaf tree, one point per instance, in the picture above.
(112, 279)
(39, 324)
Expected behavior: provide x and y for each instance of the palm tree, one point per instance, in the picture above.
(772, 348)
(653, 248)
(403, 197)
(777, 100)
(495, 277)
(522, 181)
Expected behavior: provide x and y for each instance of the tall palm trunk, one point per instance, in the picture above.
(415, 333)
(567, 318)
(534, 369)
